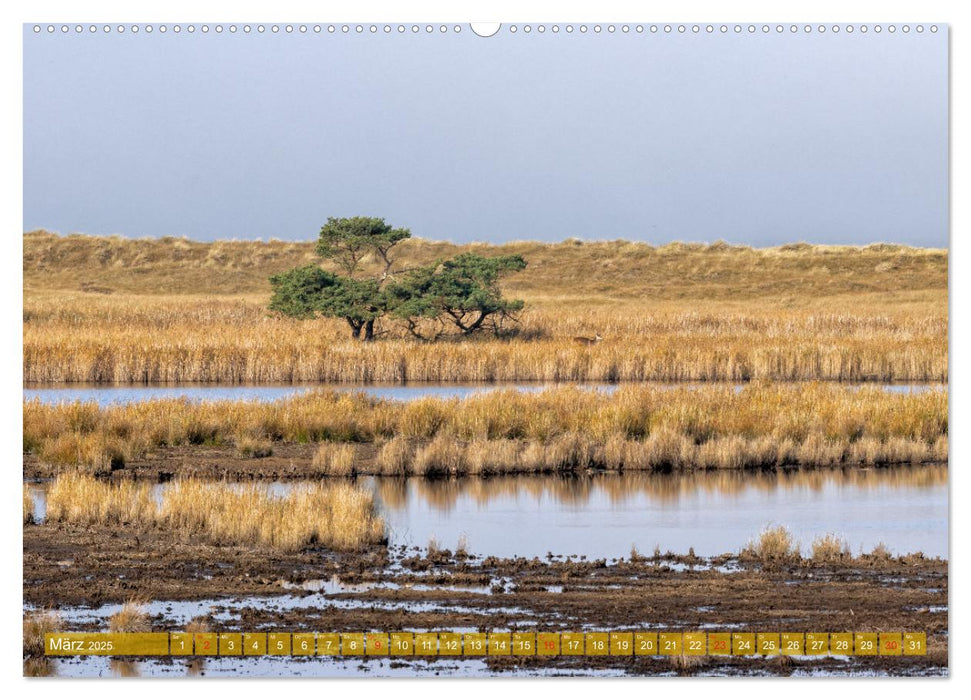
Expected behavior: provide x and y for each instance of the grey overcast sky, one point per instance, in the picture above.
(758, 139)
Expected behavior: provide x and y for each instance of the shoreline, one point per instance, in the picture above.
(295, 462)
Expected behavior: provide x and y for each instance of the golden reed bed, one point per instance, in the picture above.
(171, 310)
(639, 427)
(335, 515)
(791, 347)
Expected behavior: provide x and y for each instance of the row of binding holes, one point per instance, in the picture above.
(713, 29)
(259, 28)
(527, 29)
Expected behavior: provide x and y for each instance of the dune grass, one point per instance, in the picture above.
(105, 265)
(560, 429)
(335, 515)
(185, 311)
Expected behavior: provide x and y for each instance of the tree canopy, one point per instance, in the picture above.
(461, 292)
(308, 292)
(349, 241)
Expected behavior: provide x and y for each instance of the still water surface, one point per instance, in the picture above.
(106, 395)
(604, 515)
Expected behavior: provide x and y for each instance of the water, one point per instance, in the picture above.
(228, 611)
(106, 395)
(595, 516)
(363, 667)
(604, 515)
(111, 394)
(317, 666)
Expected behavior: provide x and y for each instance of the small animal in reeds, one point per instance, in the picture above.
(587, 340)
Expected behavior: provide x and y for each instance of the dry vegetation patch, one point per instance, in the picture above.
(37, 623)
(334, 515)
(774, 545)
(566, 429)
(131, 618)
(189, 311)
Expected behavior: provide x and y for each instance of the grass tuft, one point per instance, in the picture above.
(131, 618)
(773, 545)
(881, 552)
(335, 459)
(830, 549)
(254, 446)
(394, 457)
(37, 623)
(38, 667)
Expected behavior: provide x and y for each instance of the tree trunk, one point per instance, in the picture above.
(369, 331)
(478, 322)
(355, 328)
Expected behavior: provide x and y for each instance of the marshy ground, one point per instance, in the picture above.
(89, 572)
(565, 429)
(790, 325)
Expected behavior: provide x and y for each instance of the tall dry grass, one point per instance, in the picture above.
(131, 618)
(187, 311)
(336, 515)
(38, 667)
(830, 549)
(394, 457)
(643, 342)
(335, 459)
(559, 429)
(28, 506)
(773, 545)
(37, 623)
(79, 498)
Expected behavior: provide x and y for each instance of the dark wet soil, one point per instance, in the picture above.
(288, 461)
(90, 566)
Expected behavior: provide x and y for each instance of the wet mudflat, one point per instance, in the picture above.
(590, 551)
(333, 667)
(87, 573)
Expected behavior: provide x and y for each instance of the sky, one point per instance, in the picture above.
(757, 139)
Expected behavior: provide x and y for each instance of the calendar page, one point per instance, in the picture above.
(423, 349)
